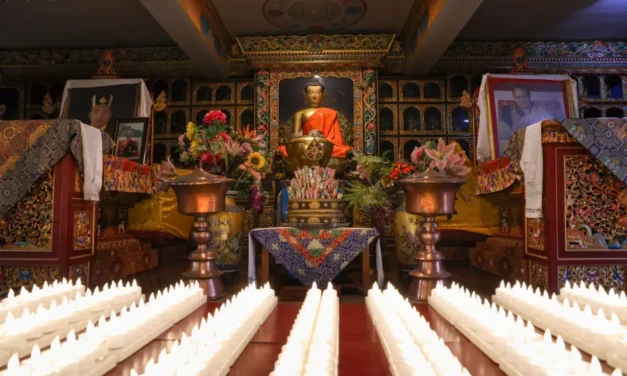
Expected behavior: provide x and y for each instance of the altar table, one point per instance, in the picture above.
(314, 255)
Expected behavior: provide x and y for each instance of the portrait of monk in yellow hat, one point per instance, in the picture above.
(100, 112)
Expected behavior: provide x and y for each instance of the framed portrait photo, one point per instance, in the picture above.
(130, 139)
(516, 103)
(102, 105)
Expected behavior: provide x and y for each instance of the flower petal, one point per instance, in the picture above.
(432, 153)
(441, 165)
(448, 150)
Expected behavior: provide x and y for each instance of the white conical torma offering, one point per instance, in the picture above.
(508, 341)
(312, 346)
(44, 296)
(41, 326)
(215, 344)
(101, 346)
(408, 341)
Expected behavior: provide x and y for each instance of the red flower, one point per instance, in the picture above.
(206, 158)
(215, 115)
(225, 137)
(395, 174)
(217, 158)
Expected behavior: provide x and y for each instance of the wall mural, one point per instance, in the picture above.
(313, 16)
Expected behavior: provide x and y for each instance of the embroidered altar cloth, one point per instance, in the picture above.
(314, 255)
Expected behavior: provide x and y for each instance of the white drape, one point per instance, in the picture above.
(92, 162)
(532, 165)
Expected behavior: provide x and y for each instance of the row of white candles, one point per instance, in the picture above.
(100, 347)
(515, 346)
(410, 345)
(217, 342)
(594, 333)
(597, 298)
(40, 327)
(312, 345)
(323, 353)
(44, 296)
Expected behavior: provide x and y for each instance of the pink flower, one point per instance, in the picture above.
(236, 148)
(215, 115)
(457, 166)
(182, 141)
(247, 148)
(416, 154)
(439, 157)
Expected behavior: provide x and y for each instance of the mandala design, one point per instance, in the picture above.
(313, 15)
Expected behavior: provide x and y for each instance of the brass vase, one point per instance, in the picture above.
(429, 194)
(200, 194)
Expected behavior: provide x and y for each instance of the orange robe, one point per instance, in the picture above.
(325, 120)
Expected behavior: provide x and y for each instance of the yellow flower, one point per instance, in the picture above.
(192, 148)
(190, 131)
(256, 160)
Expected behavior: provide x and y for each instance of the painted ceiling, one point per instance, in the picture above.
(275, 17)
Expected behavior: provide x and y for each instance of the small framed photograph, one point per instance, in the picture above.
(130, 139)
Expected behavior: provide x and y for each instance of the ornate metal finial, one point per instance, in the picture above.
(161, 103)
(519, 58)
(107, 66)
(466, 100)
(48, 105)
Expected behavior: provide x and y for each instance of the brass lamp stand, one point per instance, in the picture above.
(200, 194)
(429, 194)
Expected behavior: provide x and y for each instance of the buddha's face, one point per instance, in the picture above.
(314, 95)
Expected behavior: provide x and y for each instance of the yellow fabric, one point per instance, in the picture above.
(480, 215)
(160, 213)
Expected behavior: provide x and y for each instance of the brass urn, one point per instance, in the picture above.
(200, 194)
(308, 151)
(429, 194)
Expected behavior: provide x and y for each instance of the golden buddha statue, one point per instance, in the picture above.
(315, 117)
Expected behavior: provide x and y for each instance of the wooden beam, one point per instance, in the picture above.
(198, 31)
(430, 29)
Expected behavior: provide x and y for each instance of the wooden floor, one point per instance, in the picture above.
(360, 350)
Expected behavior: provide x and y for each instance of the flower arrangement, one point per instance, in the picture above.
(218, 149)
(371, 189)
(449, 159)
(372, 185)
